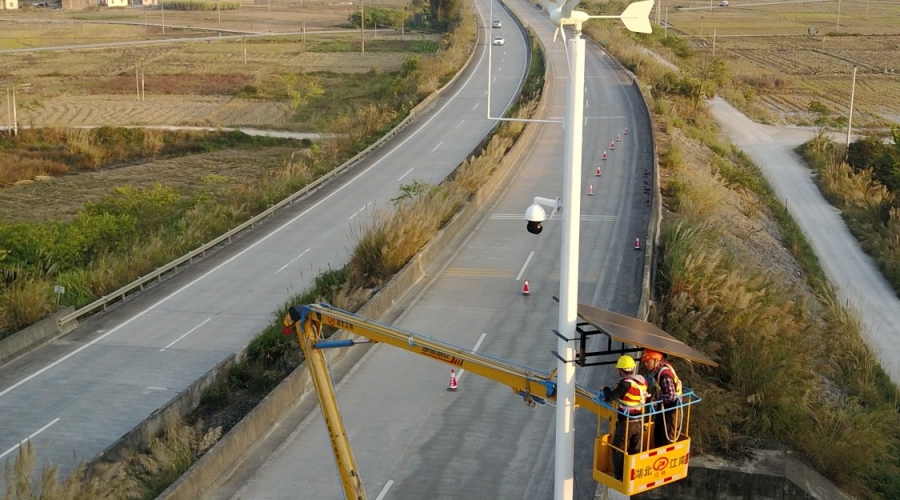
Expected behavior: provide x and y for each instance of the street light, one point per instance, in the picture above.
(635, 18)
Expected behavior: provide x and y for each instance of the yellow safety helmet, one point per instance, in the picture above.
(625, 363)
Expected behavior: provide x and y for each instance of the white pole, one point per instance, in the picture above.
(714, 42)
(568, 283)
(852, 95)
(15, 117)
(666, 32)
(8, 112)
(162, 7)
(839, 17)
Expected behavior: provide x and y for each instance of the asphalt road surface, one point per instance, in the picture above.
(412, 439)
(854, 274)
(76, 396)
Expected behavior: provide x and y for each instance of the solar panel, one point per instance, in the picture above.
(628, 330)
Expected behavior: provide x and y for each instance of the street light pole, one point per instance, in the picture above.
(568, 282)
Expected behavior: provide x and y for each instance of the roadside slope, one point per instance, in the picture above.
(854, 274)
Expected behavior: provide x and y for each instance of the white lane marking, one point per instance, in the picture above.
(35, 433)
(292, 261)
(154, 388)
(522, 271)
(474, 349)
(254, 245)
(361, 210)
(475, 106)
(384, 490)
(186, 334)
(460, 124)
(410, 170)
(439, 145)
(587, 103)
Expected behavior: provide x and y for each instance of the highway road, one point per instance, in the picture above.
(413, 439)
(76, 396)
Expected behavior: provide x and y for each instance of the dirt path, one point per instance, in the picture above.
(853, 273)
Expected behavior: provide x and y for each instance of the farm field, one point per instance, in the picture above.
(200, 83)
(768, 46)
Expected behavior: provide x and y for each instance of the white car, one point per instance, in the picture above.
(497, 24)
(498, 40)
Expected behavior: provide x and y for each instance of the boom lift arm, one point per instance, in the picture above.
(534, 386)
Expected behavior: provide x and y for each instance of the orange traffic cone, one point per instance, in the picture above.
(604, 155)
(452, 386)
(626, 130)
(525, 289)
(590, 190)
(618, 137)
(612, 145)
(637, 243)
(598, 171)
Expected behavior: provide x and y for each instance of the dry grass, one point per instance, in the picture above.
(143, 474)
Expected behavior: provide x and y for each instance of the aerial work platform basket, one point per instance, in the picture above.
(653, 464)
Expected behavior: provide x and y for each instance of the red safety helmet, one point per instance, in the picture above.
(651, 354)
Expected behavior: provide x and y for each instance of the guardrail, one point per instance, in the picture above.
(138, 285)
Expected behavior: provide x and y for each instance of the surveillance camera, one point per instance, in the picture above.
(535, 215)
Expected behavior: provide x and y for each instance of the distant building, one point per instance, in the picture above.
(114, 3)
(76, 4)
(10, 4)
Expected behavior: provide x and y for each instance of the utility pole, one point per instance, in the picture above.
(362, 26)
(714, 42)
(838, 29)
(162, 7)
(850, 117)
(137, 83)
(8, 112)
(666, 30)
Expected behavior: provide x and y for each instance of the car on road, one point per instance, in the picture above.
(723, 3)
(499, 40)
(497, 24)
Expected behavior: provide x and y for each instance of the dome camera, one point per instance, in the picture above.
(535, 215)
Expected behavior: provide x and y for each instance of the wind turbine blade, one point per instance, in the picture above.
(568, 7)
(637, 16)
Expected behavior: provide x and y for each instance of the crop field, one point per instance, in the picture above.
(185, 83)
(768, 45)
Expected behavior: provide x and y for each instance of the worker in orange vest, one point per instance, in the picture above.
(629, 396)
(665, 389)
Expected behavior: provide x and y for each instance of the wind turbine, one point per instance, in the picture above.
(636, 16)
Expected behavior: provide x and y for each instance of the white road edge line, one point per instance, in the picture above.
(474, 349)
(251, 247)
(525, 265)
(186, 334)
(410, 170)
(384, 490)
(33, 434)
(292, 261)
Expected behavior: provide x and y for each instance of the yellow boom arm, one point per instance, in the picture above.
(534, 386)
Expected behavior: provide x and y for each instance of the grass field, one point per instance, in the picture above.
(768, 46)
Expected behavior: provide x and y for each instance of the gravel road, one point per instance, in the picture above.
(854, 274)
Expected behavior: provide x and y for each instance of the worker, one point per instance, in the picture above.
(665, 389)
(629, 394)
